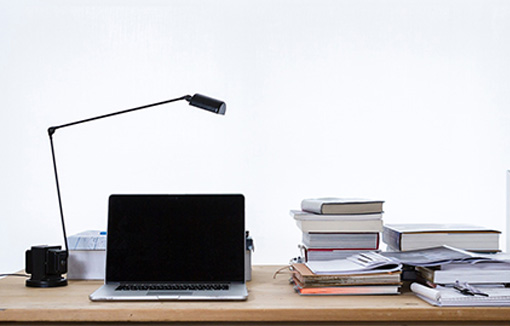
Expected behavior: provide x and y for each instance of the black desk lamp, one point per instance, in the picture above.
(48, 263)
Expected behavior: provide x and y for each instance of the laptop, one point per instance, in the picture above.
(174, 247)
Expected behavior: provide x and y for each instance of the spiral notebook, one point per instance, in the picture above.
(449, 297)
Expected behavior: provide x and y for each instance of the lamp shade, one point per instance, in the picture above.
(208, 103)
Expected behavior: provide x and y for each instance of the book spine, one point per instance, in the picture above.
(311, 206)
(392, 238)
(426, 273)
(340, 226)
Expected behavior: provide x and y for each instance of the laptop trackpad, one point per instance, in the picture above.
(168, 293)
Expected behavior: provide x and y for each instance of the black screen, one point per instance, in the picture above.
(180, 238)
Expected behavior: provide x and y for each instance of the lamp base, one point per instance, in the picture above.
(48, 283)
(46, 264)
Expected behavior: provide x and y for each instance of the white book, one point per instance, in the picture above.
(478, 273)
(421, 236)
(328, 254)
(310, 223)
(340, 226)
(308, 216)
(333, 205)
(352, 240)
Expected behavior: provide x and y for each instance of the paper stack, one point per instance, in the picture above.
(362, 274)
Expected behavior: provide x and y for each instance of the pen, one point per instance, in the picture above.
(462, 290)
(467, 289)
(475, 291)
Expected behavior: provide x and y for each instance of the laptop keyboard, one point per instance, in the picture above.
(172, 287)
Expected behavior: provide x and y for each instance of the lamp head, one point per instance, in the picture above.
(207, 103)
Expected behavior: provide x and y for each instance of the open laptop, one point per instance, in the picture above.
(175, 247)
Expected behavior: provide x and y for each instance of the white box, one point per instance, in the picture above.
(87, 256)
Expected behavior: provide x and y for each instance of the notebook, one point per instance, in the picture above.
(175, 247)
(496, 296)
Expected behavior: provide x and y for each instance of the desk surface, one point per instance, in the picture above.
(270, 300)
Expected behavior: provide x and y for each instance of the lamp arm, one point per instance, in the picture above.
(58, 193)
(51, 131)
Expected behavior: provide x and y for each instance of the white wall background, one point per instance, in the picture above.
(407, 101)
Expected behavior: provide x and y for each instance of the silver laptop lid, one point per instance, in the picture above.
(175, 238)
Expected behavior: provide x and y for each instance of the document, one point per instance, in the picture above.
(363, 263)
(441, 255)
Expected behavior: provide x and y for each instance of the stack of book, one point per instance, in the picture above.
(363, 274)
(404, 237)
(336, 228)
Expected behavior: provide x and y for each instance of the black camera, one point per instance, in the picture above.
(46, 264)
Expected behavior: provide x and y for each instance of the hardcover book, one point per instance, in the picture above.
(350, 241)
(421, 236)
(342, 206)
(328, 253)
(479, 273)
(340, 226)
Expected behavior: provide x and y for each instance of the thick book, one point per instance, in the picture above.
(340, 240)
(479, 273)
(449, 297)
(308, 216)
(342, 206)
(350, 223)
(328, 253)
(421, 236)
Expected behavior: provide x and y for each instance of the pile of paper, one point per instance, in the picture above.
(363, 274)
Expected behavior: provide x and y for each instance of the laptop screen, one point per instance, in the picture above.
(175, 238)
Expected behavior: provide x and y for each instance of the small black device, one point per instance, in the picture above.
(46, 264)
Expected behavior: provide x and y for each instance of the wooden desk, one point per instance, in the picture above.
(270, 301)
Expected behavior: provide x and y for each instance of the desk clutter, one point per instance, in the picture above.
(443, 264)
(463, 278)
